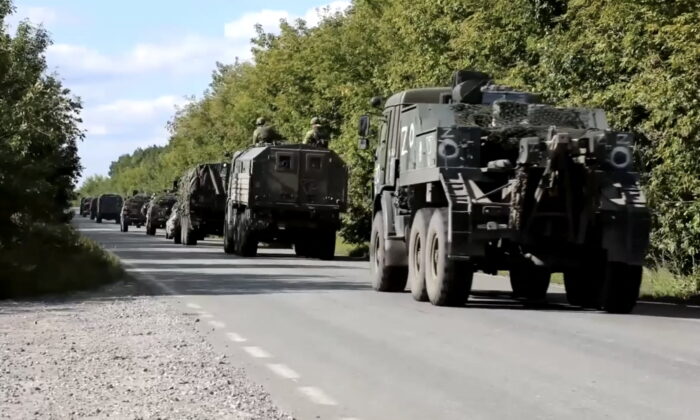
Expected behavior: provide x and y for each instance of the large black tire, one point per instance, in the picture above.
(150, 229)
(416, 254)
(98, 218)
(302, 248)
(177, 238)
(229, 244)
(189, 237)
(123, 226)
(247, 244)
(384, 278)
(448, 282)
(621, 287)
(530, 281)
(583, 286)
(324, 246)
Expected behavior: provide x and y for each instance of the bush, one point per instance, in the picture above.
(54, 259)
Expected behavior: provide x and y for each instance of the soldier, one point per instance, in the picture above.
(318, 135)
(265, 133)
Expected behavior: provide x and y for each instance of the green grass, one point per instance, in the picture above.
(54, 259)
(343, 249)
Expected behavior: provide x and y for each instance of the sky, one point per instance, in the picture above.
(134, 62)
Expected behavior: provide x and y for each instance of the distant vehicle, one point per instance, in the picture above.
(290, 194)
(482, 177)
(158, 211)
(109, 208)
(172, 226)
(92, 208)
(202, 202)
(85, 206)
(132, 212)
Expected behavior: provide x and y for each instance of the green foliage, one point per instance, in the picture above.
(39, 166)
(637, 59)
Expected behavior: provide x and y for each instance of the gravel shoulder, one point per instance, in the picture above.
(117, 353)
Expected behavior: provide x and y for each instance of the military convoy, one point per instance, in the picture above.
(482, 177)
(471, 177)
(289, 194)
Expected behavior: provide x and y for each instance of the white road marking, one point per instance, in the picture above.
(316, 395)
(217, 324)
(283, 371)
(236, 338)
(205, 315)
(257, 352)
(193, 306)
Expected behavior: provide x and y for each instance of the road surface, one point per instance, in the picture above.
(326, 346)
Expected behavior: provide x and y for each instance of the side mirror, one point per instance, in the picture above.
(376, 102)
(363, 127)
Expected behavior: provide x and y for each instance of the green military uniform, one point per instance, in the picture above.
(318, 135)
(265, 133)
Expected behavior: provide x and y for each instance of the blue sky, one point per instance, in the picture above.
(133, 62)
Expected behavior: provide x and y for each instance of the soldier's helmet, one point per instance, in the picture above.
(315, 121)
(260, 121)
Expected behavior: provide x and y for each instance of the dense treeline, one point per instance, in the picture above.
(637, 59)
(39, 167)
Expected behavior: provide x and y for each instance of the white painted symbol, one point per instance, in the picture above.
(448, 149)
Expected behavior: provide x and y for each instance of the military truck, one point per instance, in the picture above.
(85, 206)
(109, 208)
(288, 194)
(92, 208)
(158, 212)
(202, 199)
(133, 212)
(482, 177)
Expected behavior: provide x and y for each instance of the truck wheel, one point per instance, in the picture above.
(448, 282)
(384, 279)
(248, 245)
(229, 244)
(150, 229)
(529, 281)
(583, 287)
(98, 218)
(301, 248)
(325, 245)
(123, 227)
(177, 238)
(416, 255)
(621, 287)
(186, 233)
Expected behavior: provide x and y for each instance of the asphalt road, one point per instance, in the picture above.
(326, 346)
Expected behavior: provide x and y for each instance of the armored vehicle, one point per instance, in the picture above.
(202, 202)
(85, 206)
(290, 194)
(109, 207)
(158, 211)
(172, 225)
(133, 211)
(482, 177)
(92, 208)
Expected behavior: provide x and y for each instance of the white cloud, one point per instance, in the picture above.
(41, 15)
(243, 28)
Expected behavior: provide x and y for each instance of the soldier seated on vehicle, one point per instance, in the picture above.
(265, 133)
(318, 135)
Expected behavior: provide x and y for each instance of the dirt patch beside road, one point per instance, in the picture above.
(119, 354)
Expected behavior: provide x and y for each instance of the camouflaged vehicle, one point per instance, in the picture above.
(172, 225)
(482, 177)
(92, 208)
(158, 211)
(202, 202)
(108, 208)
(85, 206)
(288, 194)
(133, 213)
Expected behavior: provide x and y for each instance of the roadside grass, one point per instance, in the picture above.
(657, 284)
(343, 249)
(52, 259)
